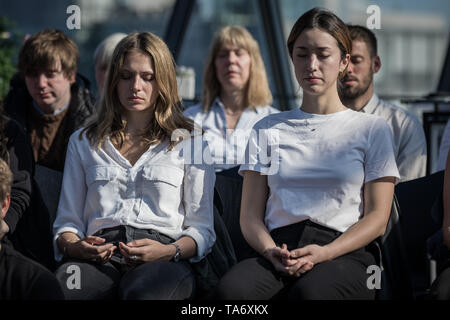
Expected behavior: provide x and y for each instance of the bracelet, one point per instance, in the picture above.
(177, 255)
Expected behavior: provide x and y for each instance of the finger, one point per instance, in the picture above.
(305, 268)
(284, 251)
(130, 251)
(97, 250)
(299, 252)
(92, 240)
(293, 269)
(139, 242)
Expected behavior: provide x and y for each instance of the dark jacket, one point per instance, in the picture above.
(20, 160)
(18, 104)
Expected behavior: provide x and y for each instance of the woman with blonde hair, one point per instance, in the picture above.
(236, 95)
(134, 211)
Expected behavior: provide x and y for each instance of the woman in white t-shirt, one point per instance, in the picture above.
(134, 210)
(236, 95)
(318, 182)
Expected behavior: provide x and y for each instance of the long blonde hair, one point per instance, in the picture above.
(168, 111)
(258, 91)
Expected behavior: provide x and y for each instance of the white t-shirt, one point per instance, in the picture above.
(317, 164)
(227, 147)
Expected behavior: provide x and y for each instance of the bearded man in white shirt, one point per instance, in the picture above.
(356, 91)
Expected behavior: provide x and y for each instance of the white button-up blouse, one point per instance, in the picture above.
(227, 147)
(162, 191)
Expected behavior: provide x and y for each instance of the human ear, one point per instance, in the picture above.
(5, 206)
(376, 64)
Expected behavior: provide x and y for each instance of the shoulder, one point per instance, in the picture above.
(399, 113)
(79, 140)
(31, 280)
(272, 120)
(194, 111)
(22, 266)
(266, 110)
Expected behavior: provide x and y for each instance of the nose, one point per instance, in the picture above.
(350, 68)
(231, 57)
(312, 63)
(41, 80)
(135, 84)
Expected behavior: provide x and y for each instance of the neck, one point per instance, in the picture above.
(322, 104)
(47, 109)
(137, 121)
(233, 100)
(359, 102)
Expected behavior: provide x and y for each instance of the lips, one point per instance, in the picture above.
(313, 79)
(349, 81)
(44, 95)
(135, 98)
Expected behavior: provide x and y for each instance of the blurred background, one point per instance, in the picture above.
(413, 41)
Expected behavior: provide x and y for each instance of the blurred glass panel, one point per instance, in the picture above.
(207, 18)
(412, 39)
(99, 19)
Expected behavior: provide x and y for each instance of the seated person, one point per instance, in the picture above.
(135, 209)
(315, 194)
(440, 288)
(102, 57)
(47, 98)
(356, 90)
(20, 277)
(236, 95)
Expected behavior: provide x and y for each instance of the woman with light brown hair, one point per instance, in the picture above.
(134, 210)
(236, 95)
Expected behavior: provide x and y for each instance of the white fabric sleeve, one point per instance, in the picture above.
(379, 160)
(443, 149)
(412, 153)
(69, 216)
(198, 199)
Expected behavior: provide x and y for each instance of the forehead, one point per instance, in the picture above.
(315, 38)
(137, 59)
(45, 66)
(230, 46)
(360, 48)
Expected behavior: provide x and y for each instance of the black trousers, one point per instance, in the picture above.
(157, 280)
(342, 278)
(440, 289)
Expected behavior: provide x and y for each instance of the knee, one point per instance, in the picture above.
(228, 289)
(303, 290)
(157, 281)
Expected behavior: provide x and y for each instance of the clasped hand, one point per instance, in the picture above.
(297, 261)
(138, 251)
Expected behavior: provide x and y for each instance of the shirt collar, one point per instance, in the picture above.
(56, 112)
(218, 104)
(371, 105)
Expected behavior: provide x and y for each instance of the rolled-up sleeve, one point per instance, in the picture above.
(69, 216)
(198, 199)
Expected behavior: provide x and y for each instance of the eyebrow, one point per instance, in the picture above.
(141, 72)
(319, 48)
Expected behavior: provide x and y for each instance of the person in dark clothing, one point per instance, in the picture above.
(47, 97)
(440, 288)
(26, 225)
(20, 277)
(16, 151)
